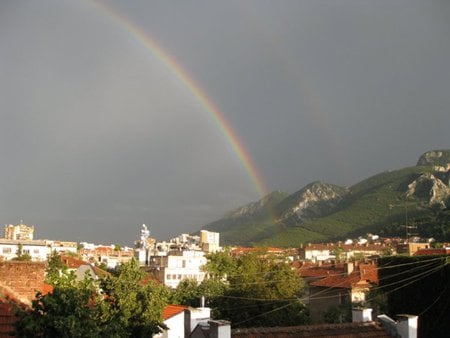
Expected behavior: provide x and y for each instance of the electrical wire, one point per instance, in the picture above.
(265, 313)
(434, 302)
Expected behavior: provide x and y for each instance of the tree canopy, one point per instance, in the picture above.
(254, 289)
(122, 305)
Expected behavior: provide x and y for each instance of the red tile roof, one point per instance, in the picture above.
(149, 278)
(346, 330)
(362, 275)
(321, 247)
(172, 310)
(75, 263)
(338, 281)
(441, 251)
(369, 272)
(242, 250)
(72, 262)
(325, 270)
(7, 318)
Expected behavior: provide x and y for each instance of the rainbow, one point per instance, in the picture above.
(194, 88)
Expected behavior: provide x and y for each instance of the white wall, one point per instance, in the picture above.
(39, 250)
(175, 326)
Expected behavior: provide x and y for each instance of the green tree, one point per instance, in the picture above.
(220, 264)
(187, 293)
(70, 310)
(21, 256)
(120, 306)
(436, 224)
(56, 270)
(133, 308)
(262, 291)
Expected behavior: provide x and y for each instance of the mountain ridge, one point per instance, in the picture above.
(322, 211)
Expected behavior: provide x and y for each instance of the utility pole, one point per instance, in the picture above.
(408, 234)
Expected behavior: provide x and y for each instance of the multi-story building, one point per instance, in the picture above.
(19, 232)
(317, 252)
(38, 250)
(110, 255)
(209, 241)
(342, 252)
(180, 258)
(176, 265)
(411, 248)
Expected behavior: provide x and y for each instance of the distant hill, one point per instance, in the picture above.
(417, 196)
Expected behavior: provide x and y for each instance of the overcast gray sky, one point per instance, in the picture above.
(98, 136)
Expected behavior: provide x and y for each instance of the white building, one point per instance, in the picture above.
(316, 252)
(38, 250)
(209, 241)
(177, 265)
(110, 255)
(183, 321)
(19, 232)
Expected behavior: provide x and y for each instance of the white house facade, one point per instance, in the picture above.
(38, 250)
(172, 268)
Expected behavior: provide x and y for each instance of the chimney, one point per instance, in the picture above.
(349, 267)
(194, 317)
(361, 315)
(219, 329)
(202, 301)
(407, 326)
(187, 323)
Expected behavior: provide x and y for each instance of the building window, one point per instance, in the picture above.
(36, 251)
(6, 250)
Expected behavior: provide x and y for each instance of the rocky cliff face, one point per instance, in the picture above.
(252, 209)
(430, 188)
(315, 200)
(436, 158)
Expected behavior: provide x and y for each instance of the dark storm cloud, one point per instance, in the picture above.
(98, 136)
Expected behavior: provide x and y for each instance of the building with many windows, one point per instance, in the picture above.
(177, 265)
(38, 250)
(19, 232)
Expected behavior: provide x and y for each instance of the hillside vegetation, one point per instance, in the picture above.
(382, 204)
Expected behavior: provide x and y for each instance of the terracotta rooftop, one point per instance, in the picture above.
(361, 276)
(72, 262)
(172, 310)
(325, 270)
(346, 330)
(241, 250)
(8, 300)
(149, 278)
(75, 263)
(441, 251)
